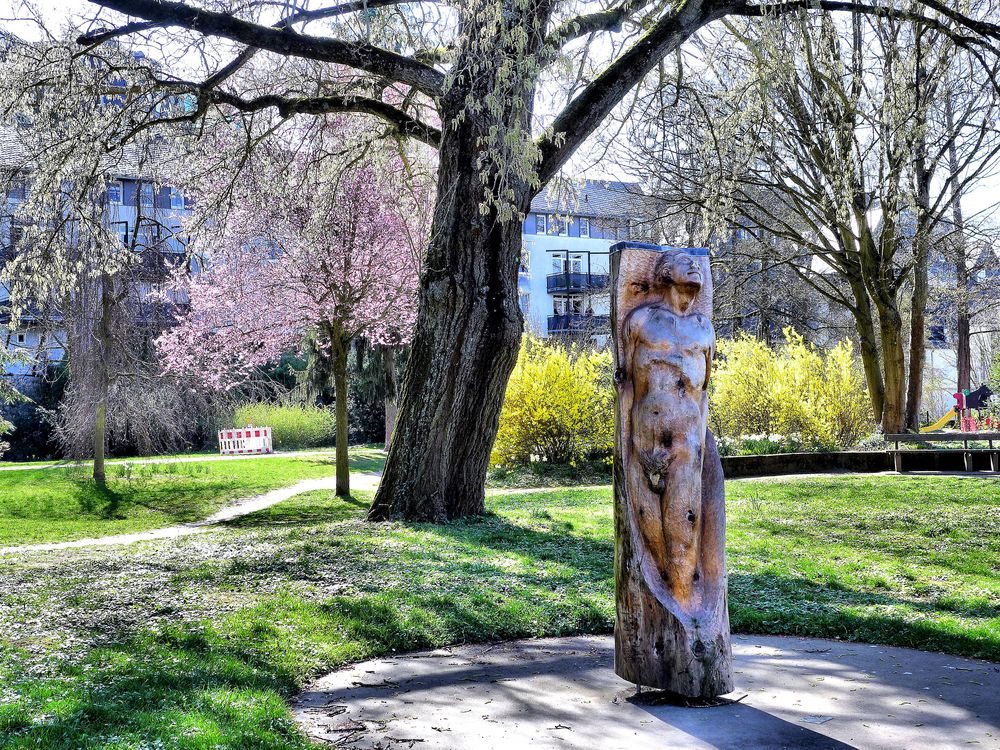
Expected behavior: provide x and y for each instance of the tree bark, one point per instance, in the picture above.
(102, 377)
(100, 433)
(894, 365)
(918, 299)
(466, 340)
(963, 313)
(963, 321)
(871, 358)
(923, 173)
(918, 338)
(463, 351)
(389, 382)
(339, 348)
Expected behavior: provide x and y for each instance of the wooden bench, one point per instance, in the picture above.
(948, 437)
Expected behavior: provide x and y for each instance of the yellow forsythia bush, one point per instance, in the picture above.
(818, 396)
(559, 406)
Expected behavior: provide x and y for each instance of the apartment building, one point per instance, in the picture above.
(146, 217)
(565, 244)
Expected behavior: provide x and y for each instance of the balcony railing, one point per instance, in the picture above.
(569, 281)
(579, 323)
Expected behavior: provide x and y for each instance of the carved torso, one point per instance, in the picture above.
(671, 353)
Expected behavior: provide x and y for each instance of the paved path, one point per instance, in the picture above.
(562, 693)
(175, 460)
(359, 481)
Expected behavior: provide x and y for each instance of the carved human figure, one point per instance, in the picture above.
(672, 622)
(668, 356)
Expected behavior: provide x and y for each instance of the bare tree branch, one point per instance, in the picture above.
(402, 123)
(585, 112)
(282, 41)
(604, 20)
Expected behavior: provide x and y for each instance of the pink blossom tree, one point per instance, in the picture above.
(313, 244)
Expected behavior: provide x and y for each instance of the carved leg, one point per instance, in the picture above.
(681, 505)
(657, 644)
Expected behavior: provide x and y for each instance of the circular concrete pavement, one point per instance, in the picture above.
(563, 693)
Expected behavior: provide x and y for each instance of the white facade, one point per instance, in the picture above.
(546, 255)
(565, 250)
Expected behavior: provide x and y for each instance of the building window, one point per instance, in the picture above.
(176, 199)
(146, 195)
(20, 339)
(16, 240)
(567, 263)
(121, 229)
(539, 223)
(18, 189)
(564, 304)
(584, 227)
(557, 225)
(115, 192)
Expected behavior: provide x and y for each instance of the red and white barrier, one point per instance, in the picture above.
(245, 441)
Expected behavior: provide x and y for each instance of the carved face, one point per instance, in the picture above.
(678, 268)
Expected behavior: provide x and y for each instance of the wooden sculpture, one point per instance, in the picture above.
(672, 623)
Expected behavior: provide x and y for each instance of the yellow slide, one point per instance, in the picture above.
(940, 423)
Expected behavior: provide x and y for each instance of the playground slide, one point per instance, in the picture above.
(940, 423)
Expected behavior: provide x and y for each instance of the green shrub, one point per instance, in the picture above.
(559, 406)
(293, 426)
(795, 397)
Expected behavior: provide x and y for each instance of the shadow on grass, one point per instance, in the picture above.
(306, 510)
(541, 474)
(370, 460)
(98, 499)
(227, 685)
(765, 603)
(777, 605)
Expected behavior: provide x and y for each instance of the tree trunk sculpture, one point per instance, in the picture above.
(672, 624)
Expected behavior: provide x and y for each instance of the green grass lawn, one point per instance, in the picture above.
(60, 504)
(198, 643)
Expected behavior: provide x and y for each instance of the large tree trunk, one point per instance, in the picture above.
(871, 358)
(918, 299)
(339, 347)
(894, 365)
(391, 392)
(963, 313)
(464, 347)
(963, 322)
(100, 438)
(918, 344)
(102, 377)
(923, 174)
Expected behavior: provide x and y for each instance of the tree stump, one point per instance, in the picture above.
(672, 617)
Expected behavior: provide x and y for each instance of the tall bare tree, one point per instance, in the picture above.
(826, 141)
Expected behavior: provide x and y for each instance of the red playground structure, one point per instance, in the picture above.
(962, 413)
